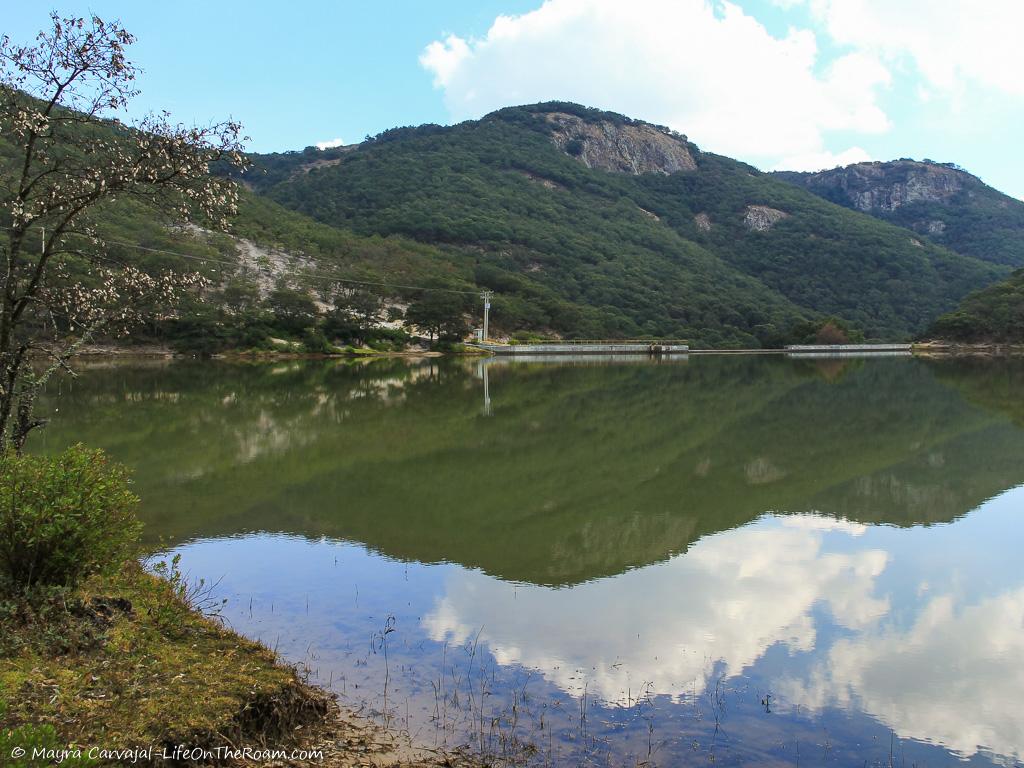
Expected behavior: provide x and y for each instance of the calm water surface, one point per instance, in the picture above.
(744, 561)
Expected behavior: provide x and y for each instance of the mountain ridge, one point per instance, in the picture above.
(940, 201)
(584, 223)
(527, 191)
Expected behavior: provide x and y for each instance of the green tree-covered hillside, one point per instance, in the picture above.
(717, 251)
(584, 223)
(993, 314)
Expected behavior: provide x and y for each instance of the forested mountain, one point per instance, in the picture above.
(939, 201)
(591, 223)
(277, 273)
(993, 314)
(584, 224)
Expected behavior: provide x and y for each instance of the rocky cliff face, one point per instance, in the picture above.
(938, 201)
(635, 149)
(884, 187)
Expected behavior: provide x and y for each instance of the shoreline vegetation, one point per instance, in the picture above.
(152, 671)
(120, 351)
(931, 348)
(110, 655)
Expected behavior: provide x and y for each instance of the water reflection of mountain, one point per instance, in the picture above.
(579, 472)
(995, 383)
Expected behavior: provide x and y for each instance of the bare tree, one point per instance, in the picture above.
(66, 155)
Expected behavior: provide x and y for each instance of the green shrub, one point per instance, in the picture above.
(63, 519)
(314, 341)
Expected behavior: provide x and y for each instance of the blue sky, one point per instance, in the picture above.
(778, 83)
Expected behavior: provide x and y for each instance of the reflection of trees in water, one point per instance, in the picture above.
(579, 471)
(835, 369)
(584, 472)
(994, 383)
(761, 470)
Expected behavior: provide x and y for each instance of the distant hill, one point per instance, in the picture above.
(268, 247)
(993, 314)
(584, 224)
(591, 223)
(939, 201)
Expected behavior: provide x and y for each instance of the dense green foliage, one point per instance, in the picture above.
(995, 314)
(584, 264)
(237, 309)
(976, 220)
(568, 250)
(63, 519)
(586, 252)
(250, 300)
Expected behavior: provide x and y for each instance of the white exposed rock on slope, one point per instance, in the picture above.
(761, 218)
(634, 149)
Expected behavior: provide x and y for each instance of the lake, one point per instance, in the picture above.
(738, 560)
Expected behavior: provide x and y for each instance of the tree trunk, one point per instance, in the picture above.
(25, 422)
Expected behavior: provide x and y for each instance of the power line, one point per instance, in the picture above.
(308, 276)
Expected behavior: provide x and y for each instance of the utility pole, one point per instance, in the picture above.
(486, 296)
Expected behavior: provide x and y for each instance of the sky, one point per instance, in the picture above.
(781, 84)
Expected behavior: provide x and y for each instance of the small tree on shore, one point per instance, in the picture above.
(439, 313)
(68, 157)
(831, 334)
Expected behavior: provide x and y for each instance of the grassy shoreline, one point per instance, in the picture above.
(101, 351)
(132, 662)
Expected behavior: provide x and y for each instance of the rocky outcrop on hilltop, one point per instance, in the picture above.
(939, 201)
(884, 187)
(634, 148)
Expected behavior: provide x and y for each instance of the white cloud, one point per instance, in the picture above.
(339, 142)
(444, 58)
(738, 602)
(952, 43)
(820, 161)
(944, 667)
(824, 523)
(704, 68)
(965, 702)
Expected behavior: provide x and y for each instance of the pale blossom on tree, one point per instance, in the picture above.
(61, 101)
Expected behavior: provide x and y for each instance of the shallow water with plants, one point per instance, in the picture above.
(738, 560)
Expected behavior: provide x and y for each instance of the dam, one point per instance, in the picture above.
(677, 347)
(571, 347)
